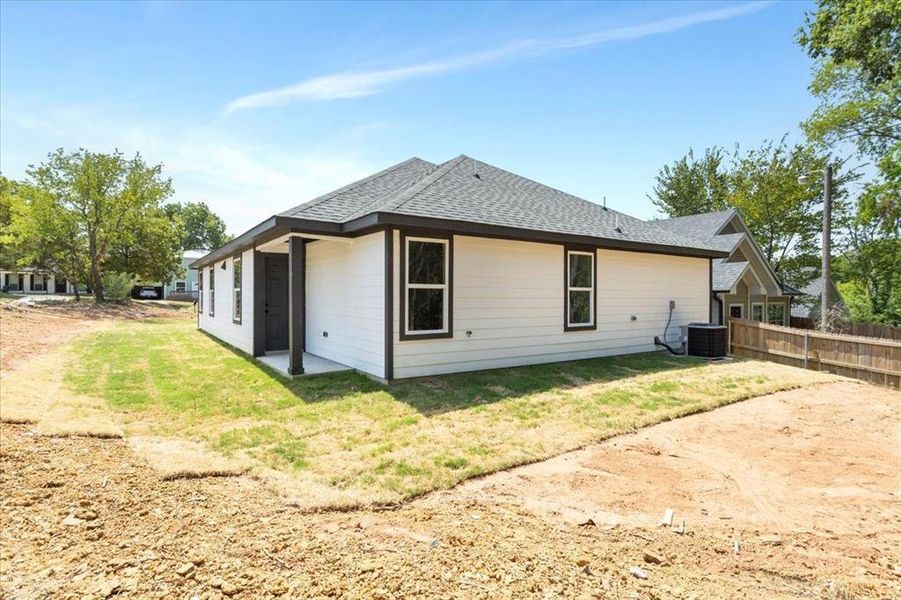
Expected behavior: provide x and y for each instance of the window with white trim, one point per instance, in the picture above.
(757, 311)
(427, 285)
(236, 289)
(180, 286)
(580, 296)
(775, 314)
(213, 290)
(736, 311)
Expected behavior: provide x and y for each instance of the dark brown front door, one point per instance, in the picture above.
(276, 306)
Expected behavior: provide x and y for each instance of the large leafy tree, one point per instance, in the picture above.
(201, 228)
(857, 81)
(110, 208)
(782, 214)
(693, 185)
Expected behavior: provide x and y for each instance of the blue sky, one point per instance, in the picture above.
(256, 107)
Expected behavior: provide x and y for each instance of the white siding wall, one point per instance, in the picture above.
(510, 295)
(221, 325)
(345, 297)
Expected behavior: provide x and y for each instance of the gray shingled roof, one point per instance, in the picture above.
(725, 274)
(344, 203)
(463, 189)
(701, 227)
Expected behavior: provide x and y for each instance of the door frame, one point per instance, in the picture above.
(267, 258)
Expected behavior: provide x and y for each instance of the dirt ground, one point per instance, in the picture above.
(29, 329)
(790, 495)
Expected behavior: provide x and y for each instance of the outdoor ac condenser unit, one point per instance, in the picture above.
(704, 339)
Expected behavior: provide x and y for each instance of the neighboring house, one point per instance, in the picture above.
(26, 280)
(423, 269)
(808, 307)
(185, 286)
(744, 283)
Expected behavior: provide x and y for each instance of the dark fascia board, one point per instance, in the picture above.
(376, 220)
(269, 229)
(277, 225)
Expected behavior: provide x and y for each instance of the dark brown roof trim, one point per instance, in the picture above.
(276, 226)
(376, 220)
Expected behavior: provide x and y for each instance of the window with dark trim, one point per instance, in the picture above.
(200, 292)
(213, 291)
(236, 290)
(581, 296)
(426, 301)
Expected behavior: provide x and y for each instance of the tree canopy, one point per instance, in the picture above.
(89, 213)
(857, 81)
(200, 227)
(762, 183)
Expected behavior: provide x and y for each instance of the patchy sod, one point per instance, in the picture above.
(343, 439)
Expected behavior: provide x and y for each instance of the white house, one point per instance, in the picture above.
(26, 280)
(423, 269)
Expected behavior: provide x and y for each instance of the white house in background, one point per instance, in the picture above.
(26, 280)
(185, 286)
(744, 283)
(425, 268)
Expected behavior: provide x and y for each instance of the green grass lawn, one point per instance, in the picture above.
(350, 440)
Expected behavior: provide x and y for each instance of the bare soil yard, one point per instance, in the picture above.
(795, 494)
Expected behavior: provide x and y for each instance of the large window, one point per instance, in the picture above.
(236, 290)
(212, 290)
(757, 311)
(427, 287)
(775, 314)
(580, 290)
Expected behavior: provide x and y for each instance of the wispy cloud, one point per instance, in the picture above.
(355, 84)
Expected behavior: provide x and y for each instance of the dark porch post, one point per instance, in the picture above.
(259, 303)
(296, 304)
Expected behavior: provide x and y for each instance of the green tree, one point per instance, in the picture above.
(690, 186)
(46, 236)
(857, 81)
(201, 228)
(12, 203)
(111, 206)
(762, 183)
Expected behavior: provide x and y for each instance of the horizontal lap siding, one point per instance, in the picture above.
(345, 297)
(510, 295)
(238, 335)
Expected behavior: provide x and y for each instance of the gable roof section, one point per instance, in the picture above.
(468, 196)
(707, 226)
(727, 274)
(704, 226)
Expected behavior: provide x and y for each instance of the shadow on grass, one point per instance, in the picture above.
(447, 393)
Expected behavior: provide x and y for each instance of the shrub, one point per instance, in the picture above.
(117, 286)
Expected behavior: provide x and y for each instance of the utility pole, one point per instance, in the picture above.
(826, 295)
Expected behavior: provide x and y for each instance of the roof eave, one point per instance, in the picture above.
(380, 219)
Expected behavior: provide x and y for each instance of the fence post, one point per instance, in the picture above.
(806, 345)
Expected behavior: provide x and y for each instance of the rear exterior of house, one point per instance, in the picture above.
(426, 269)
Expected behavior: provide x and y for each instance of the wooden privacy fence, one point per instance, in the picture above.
(849, 328)
(870, 359)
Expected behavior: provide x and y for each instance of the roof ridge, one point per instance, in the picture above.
(375, 203)
(328, 195)
(434, 175)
